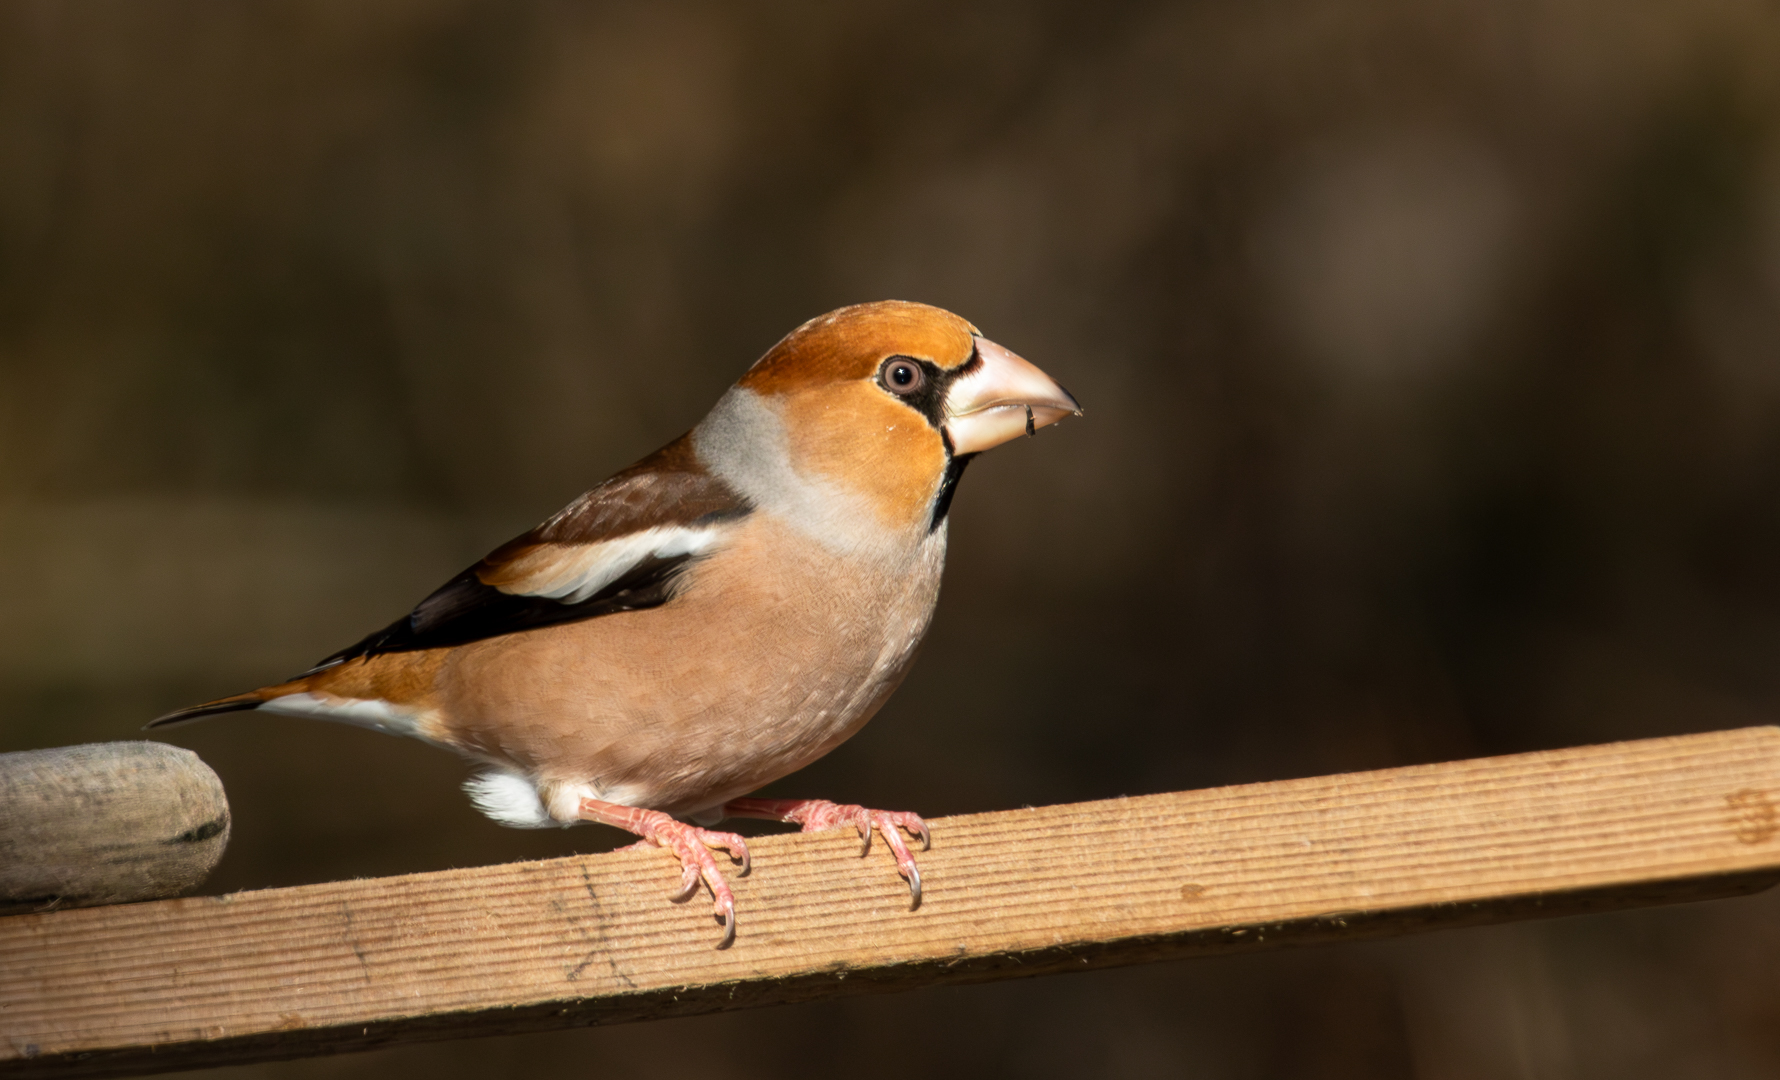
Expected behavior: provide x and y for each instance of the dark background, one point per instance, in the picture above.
(1431, 353)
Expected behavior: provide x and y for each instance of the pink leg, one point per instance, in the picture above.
(692, 844)
(817, 815)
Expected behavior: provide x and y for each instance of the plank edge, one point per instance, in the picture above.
(700, 999)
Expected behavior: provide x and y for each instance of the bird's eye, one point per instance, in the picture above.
(902, 375)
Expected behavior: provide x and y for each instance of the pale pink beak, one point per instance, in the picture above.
(1004, 398)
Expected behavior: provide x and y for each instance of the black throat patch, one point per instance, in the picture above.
(942, 502)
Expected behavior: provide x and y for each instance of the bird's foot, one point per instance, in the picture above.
(692, 844)
(819, 815)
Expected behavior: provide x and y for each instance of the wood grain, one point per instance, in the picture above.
(359, 964)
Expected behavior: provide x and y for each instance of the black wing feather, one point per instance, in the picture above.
(669, 487)
(466, 610)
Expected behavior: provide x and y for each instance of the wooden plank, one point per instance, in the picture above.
(359, 964)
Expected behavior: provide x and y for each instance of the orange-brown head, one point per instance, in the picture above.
(871, 412)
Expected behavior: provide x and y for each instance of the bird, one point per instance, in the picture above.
(714, 617)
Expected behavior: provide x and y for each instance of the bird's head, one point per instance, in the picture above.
(880, 404)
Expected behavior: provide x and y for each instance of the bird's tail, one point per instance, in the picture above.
(353, 692)
(253, 699)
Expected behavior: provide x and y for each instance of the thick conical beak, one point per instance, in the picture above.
(1004, 398)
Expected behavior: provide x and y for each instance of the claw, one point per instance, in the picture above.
(914, 879)
(689, 878)
(727, 910)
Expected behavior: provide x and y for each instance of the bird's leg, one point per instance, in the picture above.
(817, 815)
(692, 844)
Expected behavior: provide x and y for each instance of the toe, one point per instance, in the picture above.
(905, 861)
(915, 825)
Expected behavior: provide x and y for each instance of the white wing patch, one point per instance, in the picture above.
(572, 573)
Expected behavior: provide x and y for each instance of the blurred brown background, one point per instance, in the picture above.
(1431, 352)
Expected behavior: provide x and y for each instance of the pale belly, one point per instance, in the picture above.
(757, 669)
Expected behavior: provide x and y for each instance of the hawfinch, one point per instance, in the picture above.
(722, 613)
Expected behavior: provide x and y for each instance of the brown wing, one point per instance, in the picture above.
(620, 547)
